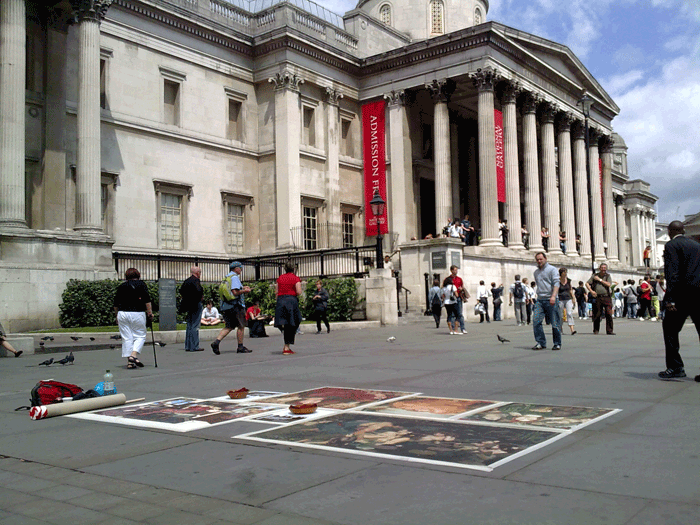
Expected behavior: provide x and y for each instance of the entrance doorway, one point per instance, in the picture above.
(427, 208)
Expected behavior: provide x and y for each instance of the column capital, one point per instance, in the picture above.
(94, 10)
(564, 121)
(578, 131)
(485, 79)
(593, 134)
(619, 199)
(635, 210)
(333, 96)
(511, 90)
(607, 143)
(396, 97)
(530, 102)
(441, 89)
(286, 80)
(547, 112)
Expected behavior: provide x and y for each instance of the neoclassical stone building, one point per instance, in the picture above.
(233, 127)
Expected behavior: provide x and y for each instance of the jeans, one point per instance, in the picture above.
(193, 319)
(581, 304)
(542, 309)
(519, 312)
(497, 312)
(458, 311)
(632, 310)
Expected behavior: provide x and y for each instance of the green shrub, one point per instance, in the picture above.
(342, 300)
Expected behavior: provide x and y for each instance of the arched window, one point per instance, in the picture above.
(385, 14)
(477, 16)
(437, 17)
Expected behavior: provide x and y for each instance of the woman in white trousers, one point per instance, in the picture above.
(132, 306)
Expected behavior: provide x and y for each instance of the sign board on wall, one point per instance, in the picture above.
(374, 158)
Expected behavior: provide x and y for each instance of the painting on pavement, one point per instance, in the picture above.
(336, 397)
(555, 417)
(424, 406)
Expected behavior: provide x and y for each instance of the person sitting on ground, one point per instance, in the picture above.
(6, 345)
(210, 315)
(256, 320)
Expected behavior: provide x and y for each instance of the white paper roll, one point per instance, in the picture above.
(83, 405)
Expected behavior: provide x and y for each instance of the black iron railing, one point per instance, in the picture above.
(342, 262)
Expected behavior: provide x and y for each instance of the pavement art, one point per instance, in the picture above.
(337, 398)
(431, 407)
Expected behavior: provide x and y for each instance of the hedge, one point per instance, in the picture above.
(90, 303)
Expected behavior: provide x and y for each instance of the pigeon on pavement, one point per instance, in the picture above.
(115, 336)
(46, 363)
(75, 338)
(502, 339)
(68, 359)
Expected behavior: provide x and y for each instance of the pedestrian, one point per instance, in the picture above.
(530, 297)
(210, 314)
(482, 295)
(618, 301)
(462, 294)
(646, 309)
(6, 345)
(435, 300)
(632, 299)
(287, 314)
(600, 285)
(578, 243)
(320, 300)
(256, 320)
(562, 241)
(503, 231)
(233, 310)
(661, 293)
(545, 238)
(388, 264)
(450, 299)
(191, 294)
(517, 299)
(647, 257)
(468, 231)
(682, 273)
(455, 231)
(567, 300)
(580, 296)
(655, 301)
(547, 303)
(496, 293)
(132, 307)
(526, 237)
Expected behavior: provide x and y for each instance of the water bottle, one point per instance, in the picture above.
(108, 383)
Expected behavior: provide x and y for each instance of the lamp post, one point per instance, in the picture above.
(377, 204)
(586, 102)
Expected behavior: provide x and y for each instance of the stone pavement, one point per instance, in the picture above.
(638, 466)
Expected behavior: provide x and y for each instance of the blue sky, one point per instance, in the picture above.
(646, 54)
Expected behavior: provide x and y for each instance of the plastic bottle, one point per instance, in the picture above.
(108, 383)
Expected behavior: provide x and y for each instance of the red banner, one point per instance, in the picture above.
(373, 154)
(500, 159)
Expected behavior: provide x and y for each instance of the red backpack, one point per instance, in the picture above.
(49, 392)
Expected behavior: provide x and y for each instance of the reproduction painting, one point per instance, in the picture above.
(284, 416)
(425, 406)
(180, 414)
(336, 397)
(555, 417)
(440, 442)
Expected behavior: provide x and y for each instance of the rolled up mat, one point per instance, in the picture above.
(72, 407)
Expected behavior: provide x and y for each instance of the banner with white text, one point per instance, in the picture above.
(500, 158)
(374, 158)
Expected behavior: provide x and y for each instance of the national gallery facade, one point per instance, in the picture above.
(234, 128)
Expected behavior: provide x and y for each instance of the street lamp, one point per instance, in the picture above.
(586, 102)
(377, 204)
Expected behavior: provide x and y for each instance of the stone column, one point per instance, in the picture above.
(635, 235)
(654, 250)
(532, 175)
(333, 97)
(581, 189)
(550, 192)
(88, 172)
(454, 169)
(621, 243)
(13, 57)
(510, 147)
(287, 166)
(440, 91)
(609, 216)
(566, 183)
(484, 81)
(401, 179)
(596, 204)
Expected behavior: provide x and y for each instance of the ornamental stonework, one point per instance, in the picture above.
(94, 10)
(511, 90)
(485, 79)
(441, 90)
(395, 98)
(333, 96)
(286, 80)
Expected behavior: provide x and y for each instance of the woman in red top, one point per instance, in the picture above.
(287, 314)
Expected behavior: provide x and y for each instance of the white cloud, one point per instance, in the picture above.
(618, 84)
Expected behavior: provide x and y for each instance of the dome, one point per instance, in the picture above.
(423, 19)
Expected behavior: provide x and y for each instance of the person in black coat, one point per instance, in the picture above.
(191, 304)
(320, 299)
(682, 299)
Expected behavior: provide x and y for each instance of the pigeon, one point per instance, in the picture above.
(68, 359)
(160, 343)
(391, 339)
(92, 339)
(46, 363)
(112, 346)
(502, 339)
(41, 343)
(117, 337)
(75, 338)
(47, 338)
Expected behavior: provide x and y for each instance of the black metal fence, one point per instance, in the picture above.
(342, 262)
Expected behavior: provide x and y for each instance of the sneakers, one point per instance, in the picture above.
(288, 352)
(670, 373)
(215, 347)
(556, 347)
(452, 333)
(458, 333)
(641, 319)
(464, 331)
(653, 319)
(538, 347)
(318, 332)
(243, 350)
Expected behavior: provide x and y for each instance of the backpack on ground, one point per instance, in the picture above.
(225, 290)
(50, 392)
(518, 291)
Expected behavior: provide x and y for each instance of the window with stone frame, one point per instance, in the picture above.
(385, 14)
(348, 230)
(105, 56)
(172, 199)
(172, 94)
(346, 138)
(235, 112)
(107, 195)
(235, 227)
(437, 17)
(477, 16)
(310, 227)
(308, 137)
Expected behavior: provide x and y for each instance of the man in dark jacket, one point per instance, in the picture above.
(682, 271)
(320, 300)
(191, 304)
